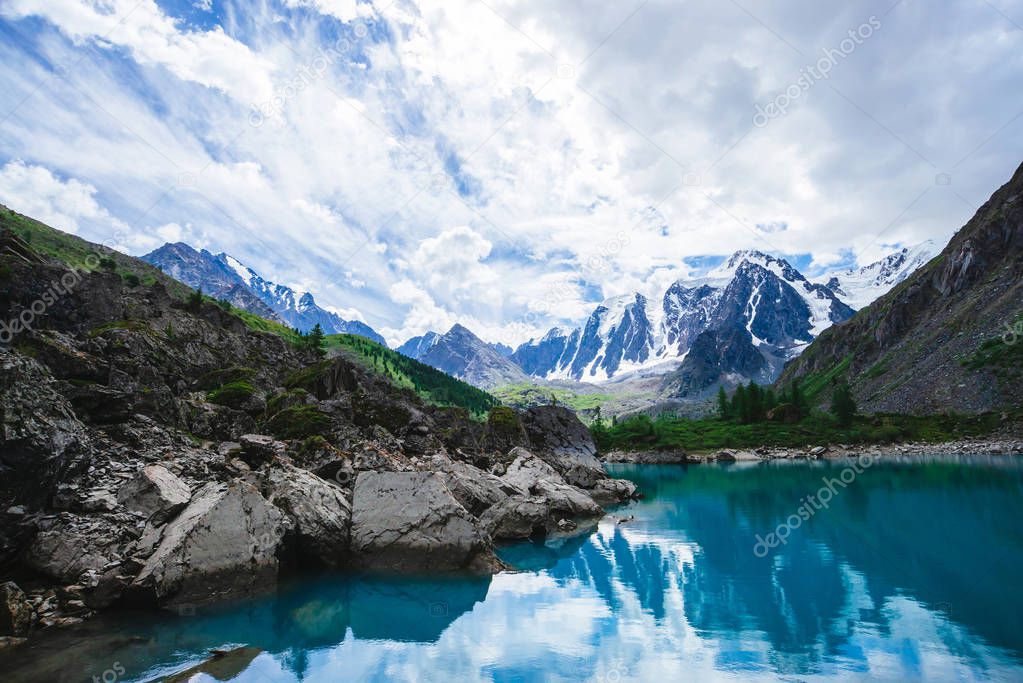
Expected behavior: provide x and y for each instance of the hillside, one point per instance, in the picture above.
(947, 338)
(431, 384)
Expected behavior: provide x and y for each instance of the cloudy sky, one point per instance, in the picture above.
(506, 164)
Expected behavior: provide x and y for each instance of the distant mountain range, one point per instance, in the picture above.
(743, 320)
(462, 354)
(861, 286)
(224, 277)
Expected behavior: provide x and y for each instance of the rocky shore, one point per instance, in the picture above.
(1008, 444)
(160, 453)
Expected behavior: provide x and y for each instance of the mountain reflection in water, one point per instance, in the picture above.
(910, 573)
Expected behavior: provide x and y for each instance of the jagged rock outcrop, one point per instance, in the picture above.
(224, 543)
(154, 493)
(411, 521)
(319, 512)
(16, 614)
(158, 450)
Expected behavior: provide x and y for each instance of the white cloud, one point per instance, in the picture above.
(210, 58)
(588, 186)
(65, 204)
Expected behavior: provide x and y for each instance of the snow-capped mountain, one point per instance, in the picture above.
(225, 277)
(416, 347)
(860, 286)
(752, 296)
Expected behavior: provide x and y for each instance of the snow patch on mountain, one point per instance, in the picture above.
(858, 287)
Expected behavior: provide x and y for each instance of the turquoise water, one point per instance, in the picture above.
(912, 571)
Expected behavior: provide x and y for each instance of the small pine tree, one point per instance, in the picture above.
(740, 404)
(723, 411)
(195, 301)
(314, 341)
(843, 406)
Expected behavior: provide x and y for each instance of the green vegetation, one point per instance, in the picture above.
(134, 325)
(298, 422)
(314, 341)
(1002, 354)
(667, 431)
(78, 253)
(530, 395)
(431, 384)
(232, 394)
(815, 383)
(843, 407)
(280, 401)
(218, 378)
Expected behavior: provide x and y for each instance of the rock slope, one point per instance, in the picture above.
(949, 337)
(159, 451)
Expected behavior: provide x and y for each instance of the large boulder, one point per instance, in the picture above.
(517, 517)
(154, 493)
(224, 543)
(475, 489)
(611, 491)
(319, 510)
(69, 545)
(556, 435)
(16, 613)
(411, 522)
(526, 470)
(531, 474)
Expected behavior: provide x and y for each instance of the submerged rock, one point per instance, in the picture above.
(411, 521)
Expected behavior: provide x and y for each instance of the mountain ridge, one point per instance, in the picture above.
(225, 277)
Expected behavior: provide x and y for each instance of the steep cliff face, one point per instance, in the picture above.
(949, 337)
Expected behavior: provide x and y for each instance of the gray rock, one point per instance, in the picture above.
(667, 457)
(319, 510)
(411, 521)
(527, 470)
(16, 613)
(473, 488)
(612, 491)
(222, 544)
(556, 435)
(71, 545)
(155, 494)
(260, 448)
(818, 451)
(517, 517)
(530, 473)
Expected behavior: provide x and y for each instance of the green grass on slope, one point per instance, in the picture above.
(527, 395)
(79, 253)
(433, 385)
(644, 433)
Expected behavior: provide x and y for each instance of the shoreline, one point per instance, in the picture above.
(1000, 445)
